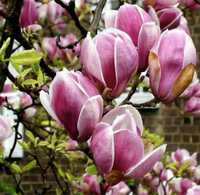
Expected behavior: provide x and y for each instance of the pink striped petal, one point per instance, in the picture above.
(125, 66)
(147, 163)
(45, 101)
(130, 19)
(90, 59)
(125, 121)
(125, 109)
(67, 106)
(129, 149)
(148, 35)
(110, 18)
(90, 115)
(102, 147)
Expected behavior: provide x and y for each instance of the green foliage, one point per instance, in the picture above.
(7, 188)
(3, 48)
(153, 138)
(15, 168)
(25, 57)
(91, 170)
(29, 166)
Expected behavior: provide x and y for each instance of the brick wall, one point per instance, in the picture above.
(179, 130)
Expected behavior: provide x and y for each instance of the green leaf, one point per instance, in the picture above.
(26, 57)
(30, 135)
(91, 170)
(40, 77)
(4, 47)
(25, 72)
(58, 191)
(29, 166)
(24, 145)
(43, 143)
(30, 82)
(15, 168)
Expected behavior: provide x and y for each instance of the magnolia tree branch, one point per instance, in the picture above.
(97, 16)
(93, 27)
(70, 8)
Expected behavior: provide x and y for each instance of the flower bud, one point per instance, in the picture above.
(169, 18)
(138, 24)
(110, 59)
(6, 124)
(172, 63)
(90, 185)
(29, 13)
(119, 189)
(118, 149)
(74, 102)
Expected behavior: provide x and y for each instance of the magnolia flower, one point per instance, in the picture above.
(7, 88)
(181, 156)
(181, 185)
(55, 13)
(74, 102)
(158, 167)
(26, 101)
(192, 105)
(195, 190)
(49, 45)
(110, 59)
(119, 189)
(117, 147)
(6, 124)
(90, 185)
(169, 18)
(172, 63)
(29, 13)
(138, 24)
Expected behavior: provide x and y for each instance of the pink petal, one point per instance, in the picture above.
(90, 59)
(90, 115)
(6, 124)
(171, 55)
(169, 18)
(129, 149)
(102, 147)
(126, 63)
(130, 19)
(105, 43)
(147, 163)
(125, 121)
(45, 101)
(193, 105)
(67, 106)
(148, 35)
(110, 18)
(120, 110)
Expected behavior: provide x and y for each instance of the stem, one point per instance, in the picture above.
(97, 16)
(70, 8)
(15, 140)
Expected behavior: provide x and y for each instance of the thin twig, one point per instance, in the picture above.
(70, 8)
(97, 16)
(15, 140)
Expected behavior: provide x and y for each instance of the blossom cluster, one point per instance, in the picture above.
(131, 43)
(178, 174)
(154, 39)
